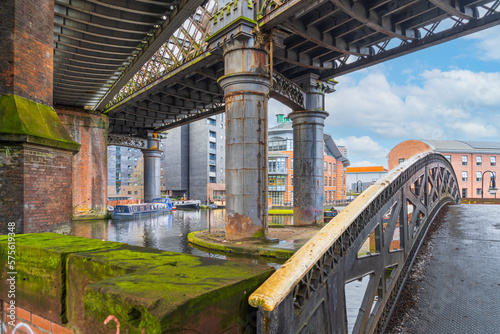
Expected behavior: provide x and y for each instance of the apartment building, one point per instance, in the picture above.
(280, 166)
(474, 162)
(195, 159)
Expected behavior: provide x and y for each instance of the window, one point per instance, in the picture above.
(479, 176)
(401, 160)
(464, 176)
(129, 158)
(276, 165)
(129, 167)
(212, 159)
(464, 192)
(221, 137)
(130, 192)
(326, 166)
(212, 169)
(291, 180)
(212, 145)
(464, 160)
(448, 157)
(221, 170)
(212, 180)
(479, 161)
(478, 191)
(221, 125)
(211, 121)
(212, 134)
(493, 161)
(291, 163)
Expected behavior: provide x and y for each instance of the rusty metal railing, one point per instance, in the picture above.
(377, 236)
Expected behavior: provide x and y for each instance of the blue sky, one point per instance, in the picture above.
(449, 91)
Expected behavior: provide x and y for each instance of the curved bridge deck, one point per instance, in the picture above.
(457, 288)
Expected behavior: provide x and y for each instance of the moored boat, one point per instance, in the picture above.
(187, 204)
(157, 207)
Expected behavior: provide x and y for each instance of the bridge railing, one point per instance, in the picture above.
(376, 237)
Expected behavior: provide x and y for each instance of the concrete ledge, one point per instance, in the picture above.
(292, 241)
(81, 283)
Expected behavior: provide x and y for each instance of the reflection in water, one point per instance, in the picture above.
(168, 232)
(280, 219)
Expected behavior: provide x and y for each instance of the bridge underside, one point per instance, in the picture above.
(325, 38)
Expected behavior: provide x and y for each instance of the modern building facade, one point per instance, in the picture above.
(195, 159)
(280, 166)
(474, 162)
(125, 172)
(360, 178)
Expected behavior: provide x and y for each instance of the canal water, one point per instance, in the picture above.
(169, 233)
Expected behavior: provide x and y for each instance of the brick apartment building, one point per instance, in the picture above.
(280, 165)
(470, 159)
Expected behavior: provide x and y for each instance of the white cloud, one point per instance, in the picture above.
(487, 44)
(361, 148)
(443, 105)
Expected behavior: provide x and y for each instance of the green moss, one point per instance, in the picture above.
(280, 211)
(143, 288)
(27, 121)
(233, 22)
(41, 270)
(180, 296)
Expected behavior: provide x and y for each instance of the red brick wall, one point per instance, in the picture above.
(11, 186)
(26, 55)
(35, 188)
(30, 320)
(90, 163)
(406, 150)
(472, 184)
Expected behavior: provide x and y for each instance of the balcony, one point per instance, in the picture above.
(212, 162)
(276, 188)
(278, 171)
(212, 150)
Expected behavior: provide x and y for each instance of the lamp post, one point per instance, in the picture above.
(359, 185)
(492, 189)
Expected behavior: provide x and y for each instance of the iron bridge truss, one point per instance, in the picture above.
(377, 237)
(328, 38)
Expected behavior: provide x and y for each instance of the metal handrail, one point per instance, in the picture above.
(318, 261)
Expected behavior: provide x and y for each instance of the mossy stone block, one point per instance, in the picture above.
(188, 294)
(40, 263)
(23, 120)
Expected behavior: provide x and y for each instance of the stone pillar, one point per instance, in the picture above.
(152, 169)
(246, 86)
(90, 168)
(308, 153)
(35, 148)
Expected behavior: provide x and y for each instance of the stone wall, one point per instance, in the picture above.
(90, 163)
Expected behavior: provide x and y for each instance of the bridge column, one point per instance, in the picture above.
(308, 153)
(152, 169)
(35, 149)
(246, 86)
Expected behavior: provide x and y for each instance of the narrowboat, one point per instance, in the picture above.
(159, 206)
